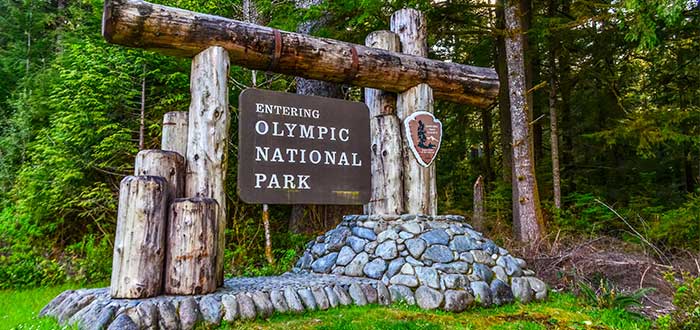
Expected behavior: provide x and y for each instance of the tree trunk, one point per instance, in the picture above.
(479, 216)
(190, 262)
(139, 244)
(553, 125)
(418, 181)
(503, 98)
(302, 219)
(385, 133)
(486, 127)
(207, 137)
(174, 136)
(179, 32)
(142, 122)
(167, 164)
(529, 228)
(566, 128)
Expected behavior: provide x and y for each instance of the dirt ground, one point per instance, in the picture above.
(627, 266)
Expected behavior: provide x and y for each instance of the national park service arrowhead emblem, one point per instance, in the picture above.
(423, 133)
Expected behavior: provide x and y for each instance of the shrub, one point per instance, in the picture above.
(607, 296)
(687, 302)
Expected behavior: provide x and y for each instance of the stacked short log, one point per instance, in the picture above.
(192, 238)
(139, 246)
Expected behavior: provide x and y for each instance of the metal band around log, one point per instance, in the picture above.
(354, 64)
(277, 52)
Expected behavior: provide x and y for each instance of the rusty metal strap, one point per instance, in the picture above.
(277, 51)
(354, 66)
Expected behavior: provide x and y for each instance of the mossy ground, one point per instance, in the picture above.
(18, 310)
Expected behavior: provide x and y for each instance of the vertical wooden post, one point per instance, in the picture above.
(479, 215)
(139, 245)
(207, 137)
(190, 262)
(167, 164)
(418, 182)
(385, 132)
(174, 136)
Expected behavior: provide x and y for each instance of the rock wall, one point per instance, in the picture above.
(434, 262)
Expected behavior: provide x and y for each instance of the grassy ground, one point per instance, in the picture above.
(18, 310)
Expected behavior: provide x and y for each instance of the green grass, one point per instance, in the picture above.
(18, 310)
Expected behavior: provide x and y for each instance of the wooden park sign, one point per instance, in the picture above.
(423, 135)
(296, 149)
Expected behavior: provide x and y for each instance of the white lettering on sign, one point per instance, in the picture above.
(284, 110)
(288, 181)
(292, 155)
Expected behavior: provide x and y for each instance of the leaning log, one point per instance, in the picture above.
(190, 262)
(207, 137)
(139, 245)
(174, 31)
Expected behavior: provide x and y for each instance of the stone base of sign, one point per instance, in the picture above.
(240, 298)
(433, 262)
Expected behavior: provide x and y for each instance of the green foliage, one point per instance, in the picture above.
(607, 296)
(686, 316)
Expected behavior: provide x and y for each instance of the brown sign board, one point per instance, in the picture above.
(424, 133)
(298, 149)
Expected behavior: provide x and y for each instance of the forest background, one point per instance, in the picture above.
(623, 77)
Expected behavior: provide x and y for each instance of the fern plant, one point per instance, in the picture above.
(606, 295)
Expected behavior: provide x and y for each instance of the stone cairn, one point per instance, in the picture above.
(434, 262)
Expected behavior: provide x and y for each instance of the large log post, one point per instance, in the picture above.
(167, 164)
(385, 132)
(418, 181)
(174, 135)
(207, 137)
(190, 262)
(139, 245)
(175, 31)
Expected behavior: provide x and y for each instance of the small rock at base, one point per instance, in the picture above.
(230, 307)
(457, 300)
(482, 292)
(123, 322)
(428, 298)
(402, 293)
(357, 295)
(246, 306)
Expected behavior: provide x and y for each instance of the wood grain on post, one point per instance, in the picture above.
(139, 245)
(385, 132)
(190, 262)
(418, 182)
(174, 135)
(208, 138)
(167, 164)
(479, 215)
(180, 32)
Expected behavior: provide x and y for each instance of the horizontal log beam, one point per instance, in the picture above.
(179, 32)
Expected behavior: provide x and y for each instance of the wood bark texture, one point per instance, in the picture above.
(554, 46)
(479, 216)
(174, 134)
(190, 262)
(139, 245)
(180, 32)
(418, 182)
(385, 133)
(207, 137)
(167, 164)
(530, 225)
